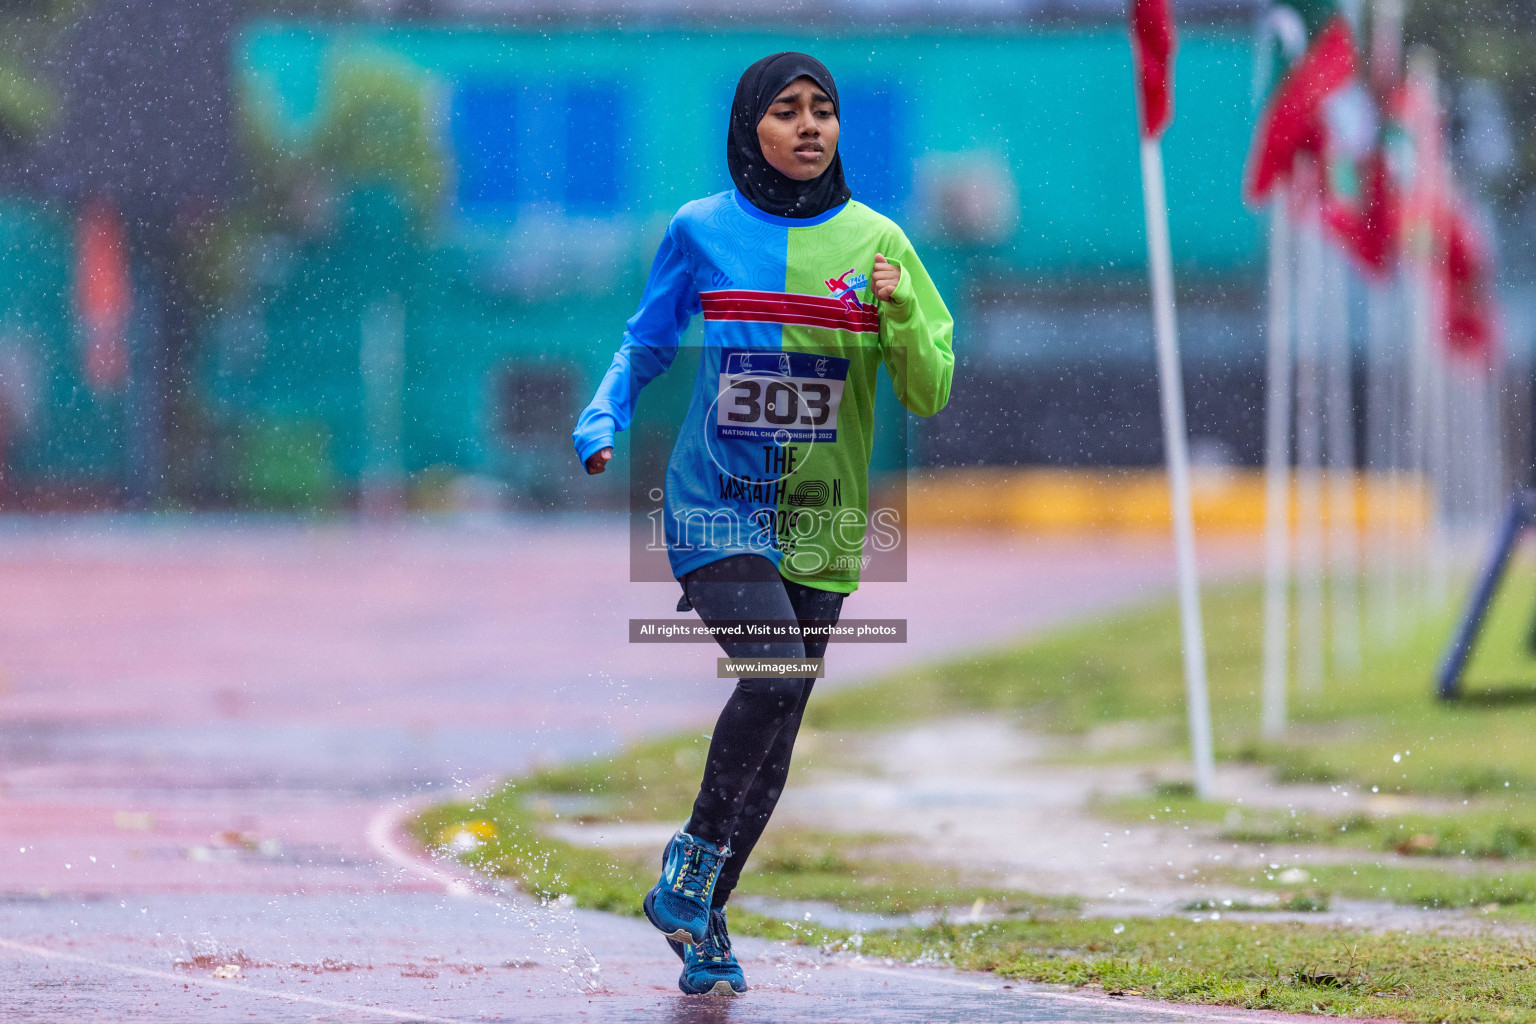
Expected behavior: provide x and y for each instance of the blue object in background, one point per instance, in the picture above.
(484, 132)
(1520, 517)
(559, 146)
(873, 144)
(594, 148)
(541, 154)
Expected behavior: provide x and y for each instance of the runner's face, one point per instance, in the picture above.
(799, 132)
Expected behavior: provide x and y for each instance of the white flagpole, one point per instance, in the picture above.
(1431, 384)
(1487, 445)
(1277, 472)
(1386, 364)
(1439, 448)
(1493, 411)
(1310, 625)
(1344, 537)
(1171, 386)
(1484, 444)
(1460, 473)
(1403, 547)
(1383, 442)
(1422, 429)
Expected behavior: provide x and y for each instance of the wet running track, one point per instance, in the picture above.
(209, 731)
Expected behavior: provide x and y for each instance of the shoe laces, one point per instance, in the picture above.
(716, 947)
(696, 874)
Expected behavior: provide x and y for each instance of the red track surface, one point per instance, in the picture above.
(201, 722)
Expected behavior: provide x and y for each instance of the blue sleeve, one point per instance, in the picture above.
(650, 342)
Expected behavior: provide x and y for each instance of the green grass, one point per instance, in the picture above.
(1380, 728)
(787, 865)
(1490, 829)
(544, 867)
(1433, 888)
(650, 780)
(1278, 966)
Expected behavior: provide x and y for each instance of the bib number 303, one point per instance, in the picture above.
(779, 396)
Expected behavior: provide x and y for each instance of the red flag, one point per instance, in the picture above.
(1152, 45)
(1293, 120)
(1439, 233)
(1370, 226)
(1471, 324)
(103, 294)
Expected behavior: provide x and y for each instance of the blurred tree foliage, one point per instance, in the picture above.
(380, 128)
(377, 125)
(28, 101)
(1493, 40)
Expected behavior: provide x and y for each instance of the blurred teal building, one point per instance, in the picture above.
(448, 228)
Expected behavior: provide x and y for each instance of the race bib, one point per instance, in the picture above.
(782, 397)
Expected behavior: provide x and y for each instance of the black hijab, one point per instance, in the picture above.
(766, 188)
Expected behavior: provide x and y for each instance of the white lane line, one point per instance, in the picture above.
(292, 997)
(384, 826)
(581, 964)
(1191, 1010)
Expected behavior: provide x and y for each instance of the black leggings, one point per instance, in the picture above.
(750, 750)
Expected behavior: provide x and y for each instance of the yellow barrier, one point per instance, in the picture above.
(1132, 500)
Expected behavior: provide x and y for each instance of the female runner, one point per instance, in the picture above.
(805, 293)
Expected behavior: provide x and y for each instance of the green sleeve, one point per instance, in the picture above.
(915, 336)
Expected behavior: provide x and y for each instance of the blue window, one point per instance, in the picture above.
(484, 127)
(873, 144)
(541, 172)
(557, 146)
(594, 148)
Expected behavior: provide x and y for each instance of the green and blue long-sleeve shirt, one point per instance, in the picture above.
(773, 456)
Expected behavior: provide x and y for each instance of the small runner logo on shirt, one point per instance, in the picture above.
(846, 287)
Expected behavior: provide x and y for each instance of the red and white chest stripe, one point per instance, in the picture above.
(790, 308)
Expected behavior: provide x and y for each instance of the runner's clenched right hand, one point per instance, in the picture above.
(598, 461)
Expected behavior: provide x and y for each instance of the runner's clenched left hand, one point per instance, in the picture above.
(886, 277)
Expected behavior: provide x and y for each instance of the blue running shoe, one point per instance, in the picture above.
(710, 968)
(678, 904)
